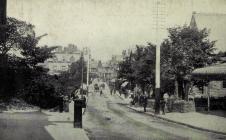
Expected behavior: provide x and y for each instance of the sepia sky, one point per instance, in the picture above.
(106, 26)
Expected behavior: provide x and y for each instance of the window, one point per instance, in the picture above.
(224, 84)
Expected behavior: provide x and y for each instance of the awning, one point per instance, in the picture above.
(124, 84)
(215, 72)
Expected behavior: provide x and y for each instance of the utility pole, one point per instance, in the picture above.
(3, 58)
(3, 19)
(82, 71)
(159, 20)
(87, 78)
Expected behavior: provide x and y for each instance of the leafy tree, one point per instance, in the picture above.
(144, 65)
(125, 68)
(185, 49)
(71, 79)
(19, 69)
(138, 66)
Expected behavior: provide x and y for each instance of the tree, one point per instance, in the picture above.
(144, 65)
(20, 68)
(138, 66)
(125, 68)
(186, 49)
(71, 79)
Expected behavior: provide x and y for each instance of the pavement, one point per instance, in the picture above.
(36, 125)
(200, 121)
(62, 128)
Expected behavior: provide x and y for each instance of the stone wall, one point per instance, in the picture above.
(183, 106)
(175, 106)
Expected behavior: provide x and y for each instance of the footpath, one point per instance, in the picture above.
(63, 126)
(200, 121)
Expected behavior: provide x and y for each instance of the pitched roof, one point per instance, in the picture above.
(216, 23)
(215, 72)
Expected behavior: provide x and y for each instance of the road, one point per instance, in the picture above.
(106, 118)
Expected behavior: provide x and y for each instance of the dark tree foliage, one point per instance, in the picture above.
(185, 50)
(70, 80)
(138, 67)
(20, 74)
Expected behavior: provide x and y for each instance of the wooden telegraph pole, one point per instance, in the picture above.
(82, 57)
(3, 7)
(87, 77)
(159, 20)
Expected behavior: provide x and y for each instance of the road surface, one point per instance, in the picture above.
(107, 119)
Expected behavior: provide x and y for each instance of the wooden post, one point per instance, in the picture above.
(88, 69)
(157, 64)
(157, 81)
(81, 91)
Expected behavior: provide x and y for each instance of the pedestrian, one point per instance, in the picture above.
(162, 106)
(135, 99)
(166, 99)
(132, 96)
(66, 103)
(145, 102)
(111, 90)
(61, 103)
(101, 92)
(114, 90)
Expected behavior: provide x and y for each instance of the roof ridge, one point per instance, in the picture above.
(202, 13)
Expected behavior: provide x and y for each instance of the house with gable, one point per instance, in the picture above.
(215, 75)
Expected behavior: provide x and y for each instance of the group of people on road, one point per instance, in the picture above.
(99, 88)
(141, 99)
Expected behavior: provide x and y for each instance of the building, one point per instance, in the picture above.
(114, 63)
(63, 57)
(108, 70)
(214, 91)
(93, 69)
(216, 23)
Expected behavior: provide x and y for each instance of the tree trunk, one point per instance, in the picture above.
(176, 89)
(180, 88)
(186, 89)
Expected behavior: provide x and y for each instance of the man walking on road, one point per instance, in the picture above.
(111, 90)
(162, 105)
